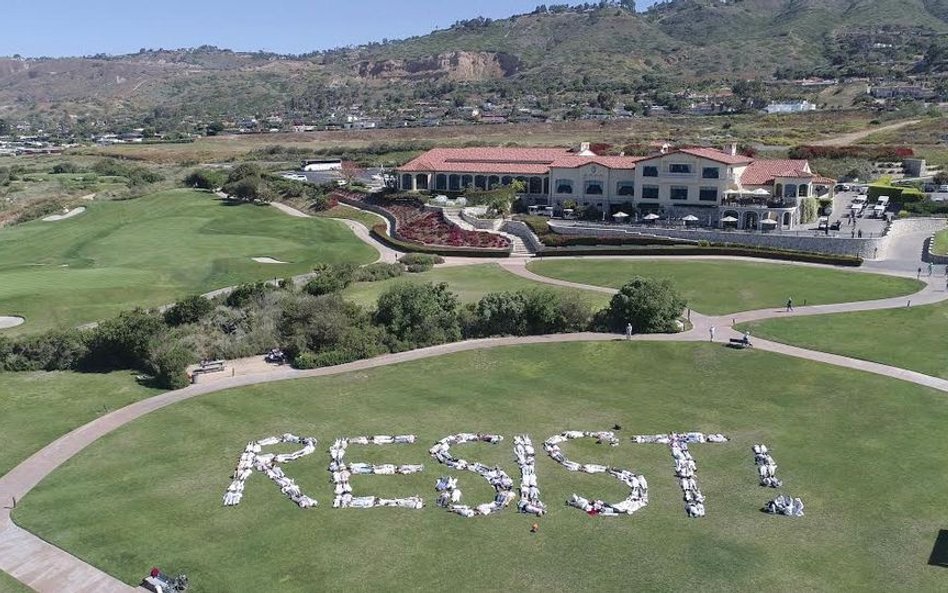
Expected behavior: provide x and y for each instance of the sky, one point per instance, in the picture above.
(55, 28)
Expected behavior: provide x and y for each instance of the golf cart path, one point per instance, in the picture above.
(48, 569)
(854, 137)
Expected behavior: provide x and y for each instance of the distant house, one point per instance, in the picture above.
(901, 92)
(790, 107)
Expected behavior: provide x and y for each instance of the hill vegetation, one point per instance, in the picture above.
(557, 53)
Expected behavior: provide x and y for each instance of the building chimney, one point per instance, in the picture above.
(732, 149)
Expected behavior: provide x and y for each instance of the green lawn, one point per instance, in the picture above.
(9, 584)
(720, 287)
(150, 493)
(907, 338)
(367, 219)
(151, 251)
(38, 408)
(470, 283)
(941, 243)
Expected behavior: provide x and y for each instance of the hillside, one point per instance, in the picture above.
(684, 42)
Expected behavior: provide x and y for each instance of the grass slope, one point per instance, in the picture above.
(9, 584)
(151, 251)
(151, 492)
(907, 338)
(470, 283)
(720, 287)
(38, 408)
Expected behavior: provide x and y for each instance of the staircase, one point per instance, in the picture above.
(520, 249)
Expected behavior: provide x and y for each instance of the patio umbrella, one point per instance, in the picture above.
(769, 221)
(652, 216)
(620, 215)
(728, 219)
(690, 218)
(760, 192)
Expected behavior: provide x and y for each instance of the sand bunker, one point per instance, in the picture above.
(12, 321)
(267, 260)
(70, 214)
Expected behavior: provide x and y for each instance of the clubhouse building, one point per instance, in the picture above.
(718, 188)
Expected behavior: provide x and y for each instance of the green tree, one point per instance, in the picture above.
(124, 342)
(418, 315)
(330, 278)
(168, 363)
(650, 305)
(189, 310)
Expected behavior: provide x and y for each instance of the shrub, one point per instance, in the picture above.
(528, 312)
(305, 361)
(58, 350)
(330, 278)
(168, 363)
(418, 315)
(809, 210)
(650, 305)
(124, 342)
(190, 310)
(209, 179)
(65, 168)
(378, 272)
(420, 262)
(244, 293)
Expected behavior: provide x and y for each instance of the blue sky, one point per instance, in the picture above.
(84, 27)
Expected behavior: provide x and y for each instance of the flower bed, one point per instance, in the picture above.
(415, 224)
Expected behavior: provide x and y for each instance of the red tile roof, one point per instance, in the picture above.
(515, 161)
(712, 154)
(763, 172)
(512, 161)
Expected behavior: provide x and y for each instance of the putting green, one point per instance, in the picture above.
(717, 287)
(470, 283)
(151, 492)
(151, 251)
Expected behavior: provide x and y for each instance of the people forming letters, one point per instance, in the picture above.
(341, 471)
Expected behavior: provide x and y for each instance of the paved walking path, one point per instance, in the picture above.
(48, 569)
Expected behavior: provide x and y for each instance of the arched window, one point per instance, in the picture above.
(441, 181)
(778, 190)
(564, 186)
(454, 183)
(406, 181)
(593, 188)
(466, 180)
(421, 181)
(804, 190)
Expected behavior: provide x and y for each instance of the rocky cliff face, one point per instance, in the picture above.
(458, 66)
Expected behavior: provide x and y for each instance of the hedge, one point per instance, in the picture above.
(380, 233)
(689, 250)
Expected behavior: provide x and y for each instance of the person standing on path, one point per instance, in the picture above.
(628, 332)
(789, 304)
(918, 275)
(711, 331)
(931, 269)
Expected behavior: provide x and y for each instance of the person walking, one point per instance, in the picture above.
(711, 331)
(628, 332)
(918, 275)
(931, 269)
(789, 304)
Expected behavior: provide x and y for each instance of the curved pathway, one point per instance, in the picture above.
(48, 569)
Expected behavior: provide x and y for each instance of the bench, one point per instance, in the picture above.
(214, 366)
(740, 343)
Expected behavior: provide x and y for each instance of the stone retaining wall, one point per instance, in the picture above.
(520, 229)
(865, 248)
(470, 215)
(932, 257)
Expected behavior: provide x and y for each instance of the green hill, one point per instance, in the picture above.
(549, 51)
